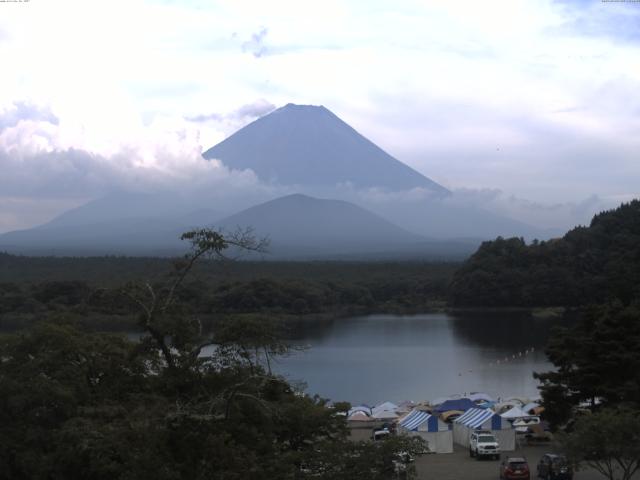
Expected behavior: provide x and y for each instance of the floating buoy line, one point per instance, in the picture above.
(503, 361)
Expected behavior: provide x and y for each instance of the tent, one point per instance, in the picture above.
(405, 407)
(462, 404)
(360, 408)
(385, 411)
(435, 432)
(506, 406)
(450, 415)
(514, 413)
(482, 404)
(359, 416)
(481, 397)
(480, 419)
(439, 400)
(521, 400)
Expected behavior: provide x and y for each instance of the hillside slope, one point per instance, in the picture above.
(588, 265)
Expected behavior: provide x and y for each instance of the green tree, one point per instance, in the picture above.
(180, 337)
(597, 362)
(588, 264)
(608, 441)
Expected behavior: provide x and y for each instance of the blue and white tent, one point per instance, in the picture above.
(434, 431)
(484, 419)
(476, 417)
(416, 418)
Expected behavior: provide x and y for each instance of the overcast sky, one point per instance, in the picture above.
(532, 106)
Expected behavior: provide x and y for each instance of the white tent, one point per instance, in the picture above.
(502, 407)
(360, 408)
(529, 407)
(385, 411)
(475, 396)
(513, 413)
(521, 400)
(359, 416)
(434, 431)
(484, 419)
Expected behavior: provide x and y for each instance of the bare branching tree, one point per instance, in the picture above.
(155, 303)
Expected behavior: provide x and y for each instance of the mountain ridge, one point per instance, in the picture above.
(299, 227)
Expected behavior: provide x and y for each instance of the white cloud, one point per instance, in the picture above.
(558, 216)
(536, 99)
(58, 164)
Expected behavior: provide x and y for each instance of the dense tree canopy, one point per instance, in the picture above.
(87, 405)
(85, 288)
(597, 363)
(588, 265)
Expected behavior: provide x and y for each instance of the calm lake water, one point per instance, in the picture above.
(375, 358)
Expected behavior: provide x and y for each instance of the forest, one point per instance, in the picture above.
(590, 264)
(33, 288)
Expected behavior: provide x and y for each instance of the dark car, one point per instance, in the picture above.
(554, 467)
(514, 468)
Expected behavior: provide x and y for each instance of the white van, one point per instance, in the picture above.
(482, 443)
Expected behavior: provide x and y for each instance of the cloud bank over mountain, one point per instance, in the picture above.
(42, 165)
(541, 107)
(47, 160)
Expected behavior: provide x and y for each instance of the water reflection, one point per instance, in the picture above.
(387, 357)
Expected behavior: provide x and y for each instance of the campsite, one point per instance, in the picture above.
(445, 424)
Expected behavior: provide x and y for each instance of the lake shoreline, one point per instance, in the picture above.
(128, 323)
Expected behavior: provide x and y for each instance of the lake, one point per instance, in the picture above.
(374, 358)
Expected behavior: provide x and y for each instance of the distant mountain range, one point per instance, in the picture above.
(297, 226)
(308, 145)
(122, 224)
(297, 147)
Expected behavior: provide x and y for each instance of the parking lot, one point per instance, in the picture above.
(459, 465)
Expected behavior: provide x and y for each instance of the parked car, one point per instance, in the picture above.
(482, 443)
(554, 467)
(514, 468)
(380, 434)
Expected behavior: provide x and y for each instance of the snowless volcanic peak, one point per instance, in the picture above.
(308, 145)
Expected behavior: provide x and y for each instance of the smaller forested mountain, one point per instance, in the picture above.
(304, 221)
(588, 265)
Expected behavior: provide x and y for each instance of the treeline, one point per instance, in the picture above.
(588, 265)
(287, 289)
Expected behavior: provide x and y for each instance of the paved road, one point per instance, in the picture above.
(458, 466)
